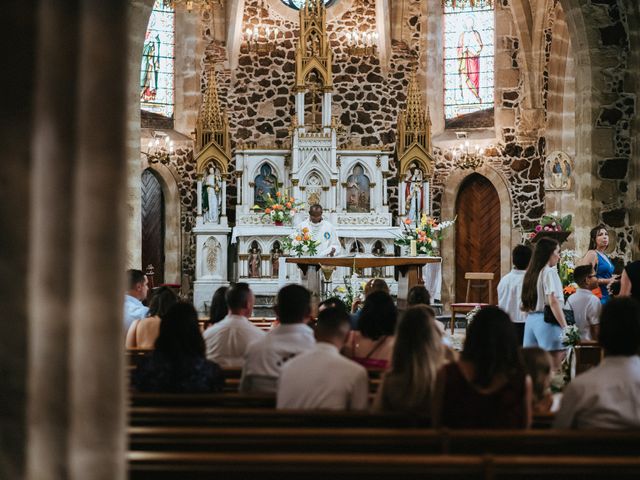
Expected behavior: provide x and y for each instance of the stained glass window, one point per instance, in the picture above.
(298, 3)
(156, 71)
(468, 56)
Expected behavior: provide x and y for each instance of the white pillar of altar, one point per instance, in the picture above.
(223, 209)
(300, 108)
(326, 109)
(401, 205)
(199, 199)
(425, 198)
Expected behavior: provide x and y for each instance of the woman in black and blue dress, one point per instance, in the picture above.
(598, 243)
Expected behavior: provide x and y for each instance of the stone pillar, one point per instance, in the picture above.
(199, 199)
(19, 32)
(51, 241)
(97, 436)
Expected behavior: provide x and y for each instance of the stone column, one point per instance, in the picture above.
(97, 436)
(51, 240)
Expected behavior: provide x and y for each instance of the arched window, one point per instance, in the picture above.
(156, 71)
(468, 63)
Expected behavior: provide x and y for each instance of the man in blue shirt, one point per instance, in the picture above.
(136, 293)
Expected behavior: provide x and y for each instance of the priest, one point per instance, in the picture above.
(323, 232)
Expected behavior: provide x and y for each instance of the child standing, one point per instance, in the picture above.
(585, 305)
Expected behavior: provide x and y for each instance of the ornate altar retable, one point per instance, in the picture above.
(408, 270)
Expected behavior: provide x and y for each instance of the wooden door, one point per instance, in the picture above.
(153, 225)
(477, 236)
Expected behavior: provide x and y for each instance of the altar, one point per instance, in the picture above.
(408, 270)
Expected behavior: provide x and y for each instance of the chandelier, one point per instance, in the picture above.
(261, 38)
(466, 157)
(190, 4)
(159, 149)
(361, 43)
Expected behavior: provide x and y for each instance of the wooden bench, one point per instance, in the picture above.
(320, 466)
(386, 440)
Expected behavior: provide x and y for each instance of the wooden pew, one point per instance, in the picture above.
(320, 466)
(181, 401)
(385, 440)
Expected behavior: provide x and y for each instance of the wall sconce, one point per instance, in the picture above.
(361, 43)
(260, 39)
(159, 149)
(466, 157)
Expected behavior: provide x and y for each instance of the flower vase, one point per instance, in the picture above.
(278, 223)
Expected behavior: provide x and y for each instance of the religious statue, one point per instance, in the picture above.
(150, 69)
(413, 193)
(266, 183)
(469, 47)
(276, 253)
(211, 195)
(254, 263)
(358, 191)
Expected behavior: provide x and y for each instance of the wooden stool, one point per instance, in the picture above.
(467, 306)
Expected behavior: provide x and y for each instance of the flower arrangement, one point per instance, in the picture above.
(426, 234)
(551, 224)
(351, 291)
(566, 266)
(469, 316)
(300, 243)
(280, 209)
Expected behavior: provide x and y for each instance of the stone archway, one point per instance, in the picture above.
(508, 237)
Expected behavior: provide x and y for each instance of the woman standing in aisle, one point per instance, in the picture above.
(598, 243)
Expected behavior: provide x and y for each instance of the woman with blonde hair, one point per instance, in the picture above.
(417, 355)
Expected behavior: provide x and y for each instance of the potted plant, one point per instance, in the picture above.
(552, 226)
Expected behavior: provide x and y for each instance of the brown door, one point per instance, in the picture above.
(477, 236)
(152, 226)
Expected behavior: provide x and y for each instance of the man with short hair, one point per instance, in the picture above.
(585, 305)
(227, 340)
(510, 288)
(322, 231)
(265, 357)
(138, 287)
(321, 378)
(608, 396)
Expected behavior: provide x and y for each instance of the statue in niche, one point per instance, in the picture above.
(313, 188)
(266, 183)
(254, 262)
(211, 195)
(413, 192)
(358, 191)
(276, 253)
(211, 250)
(378, 251)
(558, 172)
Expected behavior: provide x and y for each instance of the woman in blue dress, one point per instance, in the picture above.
(598, 243)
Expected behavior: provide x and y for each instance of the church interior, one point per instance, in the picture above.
(159, 134)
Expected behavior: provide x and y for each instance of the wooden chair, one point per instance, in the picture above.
(467, 306)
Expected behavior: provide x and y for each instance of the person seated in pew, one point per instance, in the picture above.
(219, 308)
(372, 344)
(608, 396)
(585, 305)
(138, 287)
(332, 302)
(418, 295)
(418, 354)
(321, 378)
(178, 363)
(264, 358)
(488, 387)
(537, 364)
(227, 341)
(373, 285)
(143, 332)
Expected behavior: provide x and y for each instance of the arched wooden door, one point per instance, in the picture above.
(477, 235)
(153, 225)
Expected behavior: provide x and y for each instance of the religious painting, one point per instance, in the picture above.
(557, 172)
(358, 191)
(156, 70)
(468, 61)
(266, 183)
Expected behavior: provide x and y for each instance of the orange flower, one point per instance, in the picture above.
(407, 221)
(278, 194)
(306, 236)
(267, 211)
(569, 290)
(288, 204)
(305, 230)
(298, 238)
(291, 199)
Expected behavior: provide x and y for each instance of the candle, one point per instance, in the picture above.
(413, 249)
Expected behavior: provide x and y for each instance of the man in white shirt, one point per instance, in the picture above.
(264, 358)
(608, 396)
(227, 341)
(321, 378)
(322, 231)
(136, 293)
(510, 288)
(585, 305)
